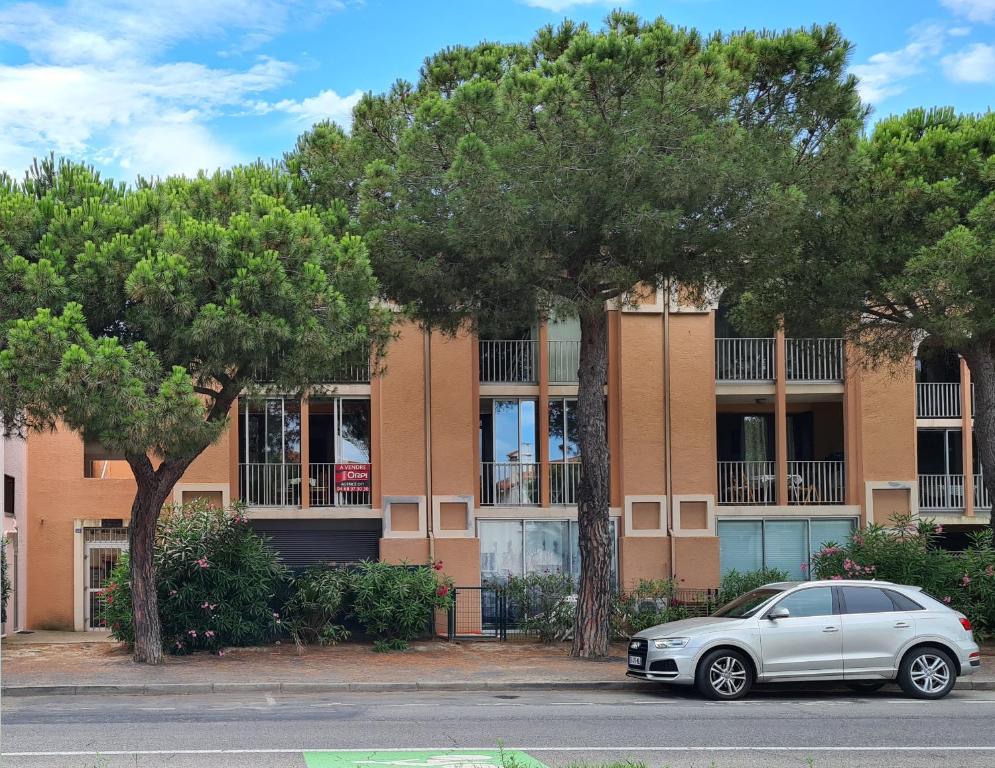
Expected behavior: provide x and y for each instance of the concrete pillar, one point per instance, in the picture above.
(967, 437)
(781, 417)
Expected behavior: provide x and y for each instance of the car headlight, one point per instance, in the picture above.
(670, 642)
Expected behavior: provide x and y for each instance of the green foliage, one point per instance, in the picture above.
(394, 603)
(317, 606)
(543, 604)
(216, 582)
(734, 583)
(908, 553)
(652, 602)
(5, 585)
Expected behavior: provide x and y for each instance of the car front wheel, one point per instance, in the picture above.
(927, 673)
(724, 675)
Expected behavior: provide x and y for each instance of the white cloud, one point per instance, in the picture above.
(974, 64)
(558, 6)
(327, 105)
(974, 10)
(885, 73)
(100, 86)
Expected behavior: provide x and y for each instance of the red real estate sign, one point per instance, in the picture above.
(352, 477)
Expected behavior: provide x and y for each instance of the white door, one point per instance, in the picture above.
(808, 643)
(101, 549)
(874, 631)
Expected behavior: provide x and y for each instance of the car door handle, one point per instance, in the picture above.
(831, 629)
(901, 625)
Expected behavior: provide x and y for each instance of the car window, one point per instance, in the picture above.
(903, 603)
(866, 600)
(744, 605)
(815, 601)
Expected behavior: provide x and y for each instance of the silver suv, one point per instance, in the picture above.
(863, 633)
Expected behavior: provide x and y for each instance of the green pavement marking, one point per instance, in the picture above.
(453, 758)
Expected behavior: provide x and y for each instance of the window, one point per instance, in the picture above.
(866, 600)
(564, 451)
(8, 495)
(748, 545)
(516, 547)
(101, 463)
(903, 603)
(817, 601)
(509, 462)
(271, 431)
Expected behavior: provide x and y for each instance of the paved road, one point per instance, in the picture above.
(656, 727)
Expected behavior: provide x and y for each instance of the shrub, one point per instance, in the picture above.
(216, 582)
(316, 607)
(909, 553)
(5, 585)
(734, 583)
(543, 603)
(394, 603)
(652, 602)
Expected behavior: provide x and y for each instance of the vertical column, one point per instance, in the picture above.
(614, 408)
(376, 439)
(781, 417)
(967, 437)
(853, 466)
(234, 435)
(542, 452)
(306, 455)
(475, 437)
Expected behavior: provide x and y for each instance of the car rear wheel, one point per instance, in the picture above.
(927, 673)
(724, 675)
(866, 686)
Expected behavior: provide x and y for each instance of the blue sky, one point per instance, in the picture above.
(170, 86)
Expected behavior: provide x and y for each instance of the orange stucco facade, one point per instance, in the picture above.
(695, 451)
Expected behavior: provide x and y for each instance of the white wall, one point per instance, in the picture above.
(13, 462)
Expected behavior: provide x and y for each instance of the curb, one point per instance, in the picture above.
(161, 689)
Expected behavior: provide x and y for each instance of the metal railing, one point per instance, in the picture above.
(510, 484)
(981, 497)
(744, 359)
(939, 400)
(352, 373)
(325, 491)
(816, 482)
(270, 485)
(509, 362)
(564, 360)
(747, 482)
(813, 359)
(564, 479)
(941, 492)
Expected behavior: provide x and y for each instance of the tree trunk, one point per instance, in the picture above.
(154, 487)
(981, 362)
(593, 617)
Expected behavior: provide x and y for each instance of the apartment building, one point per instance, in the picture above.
(726, 452)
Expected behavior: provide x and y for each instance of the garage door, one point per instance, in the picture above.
(302, 543)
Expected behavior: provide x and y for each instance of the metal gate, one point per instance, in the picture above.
(101, 549)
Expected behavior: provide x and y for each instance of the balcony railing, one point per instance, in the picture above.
(328, 491)
(509, 484)
(941, 493)
(564, 479)
(270, 485)
(746, 360)
(816, 482)
(939, 400)
(747, 482)
(509, 362)
(564, 360)
(814, 359)
(982, 501)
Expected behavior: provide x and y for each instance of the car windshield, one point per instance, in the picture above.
(745, 605)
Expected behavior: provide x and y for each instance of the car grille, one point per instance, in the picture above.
(637, 648)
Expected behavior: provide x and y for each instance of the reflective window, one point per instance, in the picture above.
(866, 600)
(817, 601)
(787, 544)
(903, 603)
(271, 431)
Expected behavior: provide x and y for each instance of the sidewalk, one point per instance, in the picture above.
(37, 668)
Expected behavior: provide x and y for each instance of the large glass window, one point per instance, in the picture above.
(271, 431)
(509, 471)
(866, 600)
(817, 601)
(564, 451)
(516, 547)
(787, 544)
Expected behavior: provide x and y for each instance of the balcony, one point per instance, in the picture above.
(330, 485)
(816, 482)
(941, 493)
(747, 482)
(815, 360)
(564, 479)
(938, 400)
(564, 360)
(744, 360)
(509, 362)
(982, 502)
(509, 484)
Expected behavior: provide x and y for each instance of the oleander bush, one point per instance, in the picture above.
(652, 602)
(542, 604)
(217, 582)
(908, 552)
(734, 583)
(317, 607)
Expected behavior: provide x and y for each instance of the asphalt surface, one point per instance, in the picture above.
(822, 728)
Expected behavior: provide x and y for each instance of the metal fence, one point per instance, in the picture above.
(270, 485)
(747, 482)
(816, 482)
(564, 479)
(509, 361)
(981, 498)
(744, 359)
(814, 359)
(941, 492)
(937, 400)
(102, 547)
(321, 478)
(509, 484)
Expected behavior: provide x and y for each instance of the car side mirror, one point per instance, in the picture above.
(778, 613)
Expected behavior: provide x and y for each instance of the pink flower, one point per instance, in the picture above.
(202, 562)
(947, 600)
(858, 539)
(965, 581)
(938, 529)
(209, 634)
(442, 591)
(172, 593)
(276, 615)
(836, 578)
(990, 570)
(804, 566)
(437, 565)
(206, 606)
(192, 633)
(221, 652)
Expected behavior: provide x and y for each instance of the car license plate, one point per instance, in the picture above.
(635, 661)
